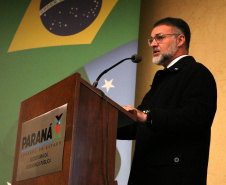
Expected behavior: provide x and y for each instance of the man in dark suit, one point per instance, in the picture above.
(175, 117)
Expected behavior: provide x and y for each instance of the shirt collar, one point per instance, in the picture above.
(176, 60)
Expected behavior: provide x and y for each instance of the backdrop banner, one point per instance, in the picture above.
(45, 41)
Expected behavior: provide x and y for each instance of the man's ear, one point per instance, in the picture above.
(180, 40)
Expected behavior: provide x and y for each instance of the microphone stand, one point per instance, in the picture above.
(105, 71)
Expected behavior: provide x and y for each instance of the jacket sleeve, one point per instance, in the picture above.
(128, 132)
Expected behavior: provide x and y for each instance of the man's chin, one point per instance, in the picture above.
(158, 60)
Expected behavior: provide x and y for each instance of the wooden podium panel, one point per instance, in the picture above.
(90, 136)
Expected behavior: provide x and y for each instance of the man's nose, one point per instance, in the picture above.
(154, 43)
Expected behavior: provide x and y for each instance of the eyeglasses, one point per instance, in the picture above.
(158, 38)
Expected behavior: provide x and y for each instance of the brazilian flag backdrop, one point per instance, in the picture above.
(45, 41)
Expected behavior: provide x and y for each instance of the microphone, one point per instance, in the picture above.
(134, 58)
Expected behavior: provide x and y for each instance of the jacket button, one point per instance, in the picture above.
(176, 159)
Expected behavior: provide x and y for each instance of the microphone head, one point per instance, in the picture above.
(136, 58)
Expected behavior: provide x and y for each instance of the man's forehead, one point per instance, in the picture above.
(162, 29)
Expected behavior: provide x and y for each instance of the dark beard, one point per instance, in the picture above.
(165, 60)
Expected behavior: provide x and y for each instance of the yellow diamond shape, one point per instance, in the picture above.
(32, 34)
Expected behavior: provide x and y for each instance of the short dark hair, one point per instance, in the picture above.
(179, 24)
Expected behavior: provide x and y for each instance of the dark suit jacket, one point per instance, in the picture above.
(174, 149)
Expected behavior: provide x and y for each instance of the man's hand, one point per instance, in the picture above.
(141, 117)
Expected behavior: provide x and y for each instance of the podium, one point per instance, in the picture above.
(89, 145)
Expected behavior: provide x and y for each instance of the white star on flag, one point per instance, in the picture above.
(108, 84)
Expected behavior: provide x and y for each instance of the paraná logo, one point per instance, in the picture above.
(42, 137)
(57, 127)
